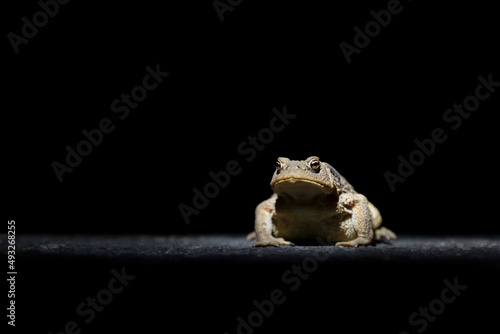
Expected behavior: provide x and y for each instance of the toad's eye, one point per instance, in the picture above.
(278, 165)
(314, 165)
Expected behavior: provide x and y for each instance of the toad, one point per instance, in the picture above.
(312, 200)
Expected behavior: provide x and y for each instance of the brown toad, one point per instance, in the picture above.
(312, 200)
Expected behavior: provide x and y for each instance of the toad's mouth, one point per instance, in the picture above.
(300, 187)
(293, 180)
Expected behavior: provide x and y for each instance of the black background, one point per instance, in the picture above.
(225, 79)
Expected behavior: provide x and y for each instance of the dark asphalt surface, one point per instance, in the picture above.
(209, 283)
(215, 248)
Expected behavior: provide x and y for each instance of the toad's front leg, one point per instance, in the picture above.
(361, 213)
(264, 223)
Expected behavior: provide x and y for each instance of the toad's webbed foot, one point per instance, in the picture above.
(385, 233)
(355, 242)
(271, 241)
